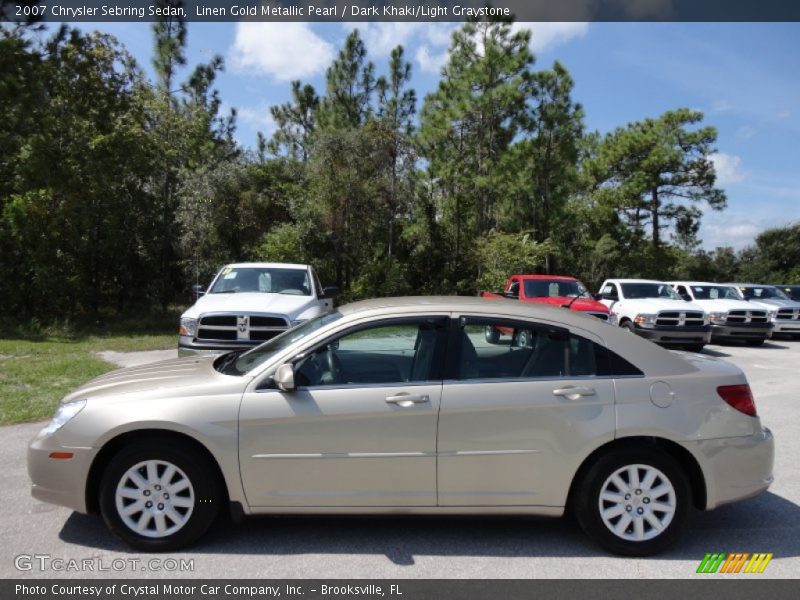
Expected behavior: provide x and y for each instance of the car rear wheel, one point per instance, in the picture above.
(633, 502)
(159, 496)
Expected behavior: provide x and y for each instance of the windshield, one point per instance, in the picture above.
(262, 279)
(542, 288)
(714, 292)
(757, 292)
(648, 290)
(239, 364)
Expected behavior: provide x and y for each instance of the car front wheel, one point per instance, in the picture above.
(633, 502)
(159, 496)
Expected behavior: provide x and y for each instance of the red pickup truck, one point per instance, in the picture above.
(555, 290)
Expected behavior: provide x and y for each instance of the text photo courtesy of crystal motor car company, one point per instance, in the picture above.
(283, 403)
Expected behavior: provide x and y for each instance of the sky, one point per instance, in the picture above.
(742, 76)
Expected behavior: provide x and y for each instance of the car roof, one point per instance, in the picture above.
(750, 284)
(265, 265)
(635, 281)
(700, 283)
(475, 305)
(537, 277)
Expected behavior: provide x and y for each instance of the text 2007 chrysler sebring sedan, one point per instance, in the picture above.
(402, 406)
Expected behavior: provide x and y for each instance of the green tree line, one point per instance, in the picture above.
(118, 192)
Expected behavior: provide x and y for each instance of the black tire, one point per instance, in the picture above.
(695, 347)
(629, 326)
(206, 488)
(755, 342)
(492, 335)
(586, 501)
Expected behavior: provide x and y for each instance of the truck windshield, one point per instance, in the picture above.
(714, 292)
(648, 290)
(239, 364)
(756, 292)
(542, 288)
(262, 279)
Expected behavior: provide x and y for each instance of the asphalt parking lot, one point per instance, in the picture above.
(323, 547)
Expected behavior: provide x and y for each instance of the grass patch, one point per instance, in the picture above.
(38, 369)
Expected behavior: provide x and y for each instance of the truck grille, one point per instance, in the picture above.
(680, 319)
(747, 316)
(600, 315)
(789, 314)
(240, 328)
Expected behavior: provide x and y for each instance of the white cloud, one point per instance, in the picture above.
(545, 36)
(784, 114)
(382, 38)
(283, 50)
(728, 167)
(726, 229)
(259, 117)
(431, 61)
(745, 132)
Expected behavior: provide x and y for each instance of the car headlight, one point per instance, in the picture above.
(63, 415)
(718, 317)
(188, 327)
(645, 319)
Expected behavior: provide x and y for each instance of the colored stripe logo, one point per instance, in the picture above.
(735, 562)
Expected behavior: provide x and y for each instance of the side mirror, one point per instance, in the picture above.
(330, 292)
(284, 377)
(198, 290)
(598, 297)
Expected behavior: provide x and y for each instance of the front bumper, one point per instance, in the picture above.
(736, 468)
(188, 346)
(786, 326)
(675, 336)
(58, 480)
(742, 331)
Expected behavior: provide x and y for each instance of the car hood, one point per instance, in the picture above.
(721, 304)
(171, 374)
(581, 304)
(655, 305)
(775, 302)
(250, 302)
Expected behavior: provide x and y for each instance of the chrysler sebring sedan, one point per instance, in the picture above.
(402, 406)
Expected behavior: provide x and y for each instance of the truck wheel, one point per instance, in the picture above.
(633, 502)
(492, 335)
(159, 495)
(629, 326)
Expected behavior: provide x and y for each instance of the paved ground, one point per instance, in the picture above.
(427, 547)
(134, 359)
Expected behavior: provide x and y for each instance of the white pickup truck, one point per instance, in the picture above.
(250, 303)
(730, 316)
(653, 310)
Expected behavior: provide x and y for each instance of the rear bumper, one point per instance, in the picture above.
(187, 346)
(742, 331)
(57, 480)
(736, 468)
(676, 336)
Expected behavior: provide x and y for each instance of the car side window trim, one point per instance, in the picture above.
(434, 377)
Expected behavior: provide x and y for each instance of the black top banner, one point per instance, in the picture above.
(400, 10)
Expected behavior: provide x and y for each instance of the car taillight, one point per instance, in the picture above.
(739, 397)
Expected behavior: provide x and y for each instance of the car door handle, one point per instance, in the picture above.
(573, 393)
(408, 399)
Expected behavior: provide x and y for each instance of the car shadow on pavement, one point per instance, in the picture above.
(768, 523)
